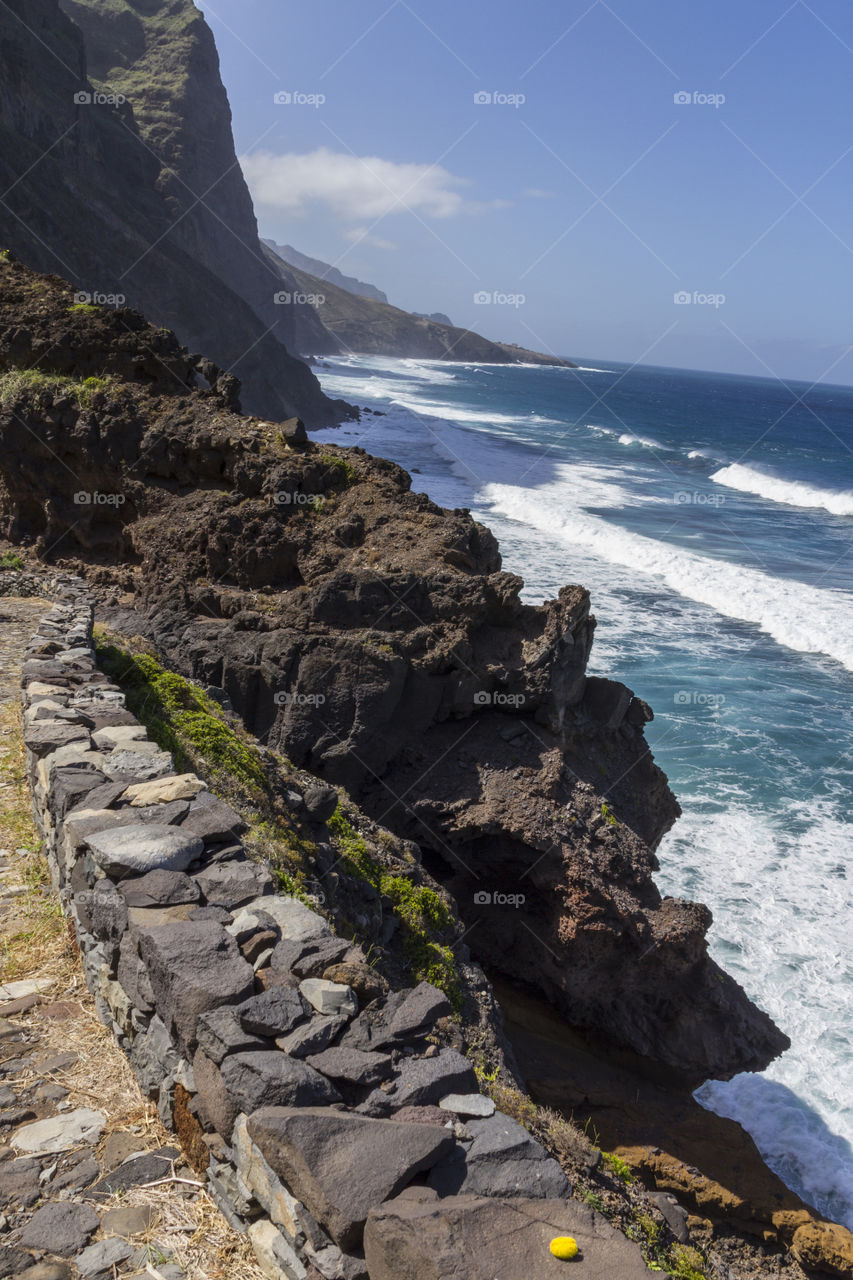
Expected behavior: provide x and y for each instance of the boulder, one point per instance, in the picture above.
(63, 1227)
(233, 883)
(825, 1247)
(193, 966)
(313, 1036)
(143, 847)
(160, 889)
(469, 1238)
(503, 1160)
(220, 1032)
(408, 1016)
(367, 984)
(212, 819)
(273, 1013)
(272, 1079)
(340, 1165)
(353, 1066)
(424, 1081)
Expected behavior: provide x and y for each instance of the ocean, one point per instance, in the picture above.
(710, 515)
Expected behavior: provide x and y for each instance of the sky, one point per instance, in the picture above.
(641, 180)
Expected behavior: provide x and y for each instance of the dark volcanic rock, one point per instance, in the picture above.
(63, 1227)
(341, 1166)
(503, 1160)
(193, 966)
(466, 1238)
(273, 1079)
(273, 1013)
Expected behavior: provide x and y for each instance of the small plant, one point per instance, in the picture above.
(609, 816)
(425, 918)
(85, 308)
(8, 560)
(686, 1263)
(595, 1202)
(618, 1167)
(44, 388)
(343, 473)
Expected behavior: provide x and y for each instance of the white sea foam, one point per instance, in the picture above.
(704, 455)
(785, 609)
(646, 441)
(782, 913)
(793, 493)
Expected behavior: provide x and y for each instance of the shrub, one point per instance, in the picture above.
(8, 560)
(44, 388)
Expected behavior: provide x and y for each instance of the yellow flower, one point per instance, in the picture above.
(564, 1247)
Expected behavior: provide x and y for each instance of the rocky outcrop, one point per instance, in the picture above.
(373, 638)
(291, 1149)
(118, 167)
(376, 328)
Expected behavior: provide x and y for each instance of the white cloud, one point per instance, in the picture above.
(352, 186)
(361, 235)
(537, 193)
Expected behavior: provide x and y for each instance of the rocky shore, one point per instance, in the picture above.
(473, 799)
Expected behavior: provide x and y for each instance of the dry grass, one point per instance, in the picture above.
(36, 942)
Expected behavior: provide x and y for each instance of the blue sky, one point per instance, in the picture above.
(598, 198)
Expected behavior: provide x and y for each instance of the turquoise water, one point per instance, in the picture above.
(711, 518)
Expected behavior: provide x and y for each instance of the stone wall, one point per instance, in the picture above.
(330, 1121)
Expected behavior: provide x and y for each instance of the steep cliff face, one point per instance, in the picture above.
(373, 637)
(105, 190)
(376, 328)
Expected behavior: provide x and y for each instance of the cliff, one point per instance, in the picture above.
(376, 328)
(323, 270)
(373, 638)
(118, 167)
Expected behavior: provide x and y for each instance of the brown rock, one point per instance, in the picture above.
(366, 982)
(825, 1247)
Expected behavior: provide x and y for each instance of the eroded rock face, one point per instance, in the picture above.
(373, 638)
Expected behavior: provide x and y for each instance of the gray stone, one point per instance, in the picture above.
(414, 1018)
(193, 966)
(272, 1079)
(77, 1178)
(231, 884)
(320, 802)
(273, 1013)
(329, 997)
(352, 1065)
(134, 766)
(60, 1133)
(132, 974)
(46, 736)
(311, 956)
(468, 1104)
(470, 1238)
(143, 847)
(673, 1214)
(152, 1056)
(19, 1183)
(167, 815)
(212, 819)
(313, 1037)
(101, 1258)
(150, 1166)
(160, 889)
(293, 919)
(340, 1165)
(102, 797)
(108, 913)
(502, 1160)
(220, 1033)
(423, 1081)
(73, 785)
(63, 1227)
